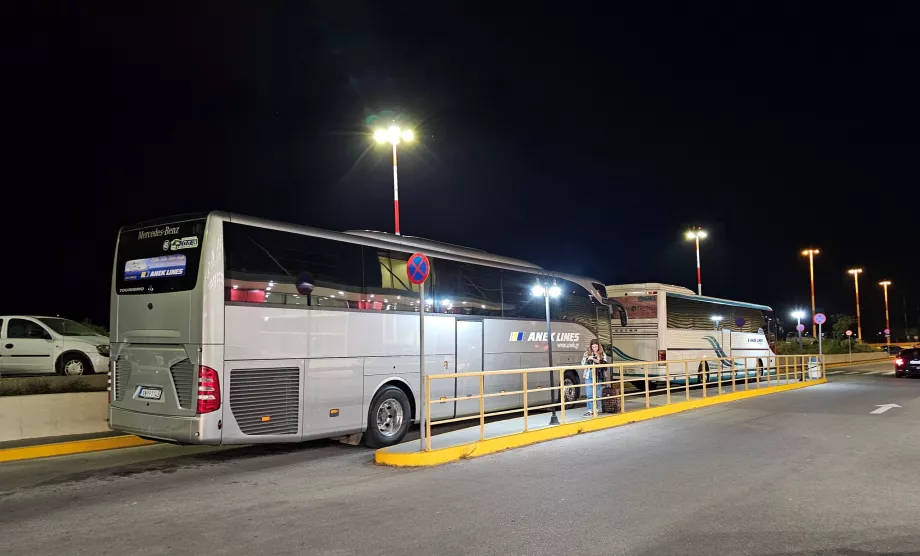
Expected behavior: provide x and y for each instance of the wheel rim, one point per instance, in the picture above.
(389, 417)
(73, 367)
(571, 393)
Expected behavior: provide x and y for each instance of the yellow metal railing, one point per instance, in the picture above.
(650, 379)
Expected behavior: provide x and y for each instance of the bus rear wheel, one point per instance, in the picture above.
(388, 418)
(571, 389)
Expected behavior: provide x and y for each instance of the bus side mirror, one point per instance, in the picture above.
(618, 307)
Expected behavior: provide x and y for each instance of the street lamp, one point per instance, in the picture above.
(798, 315)
(394, 135)
(716, 319)
(884, 284)
(810, 253)
(856, 272)
(696, 235)
(547, 291)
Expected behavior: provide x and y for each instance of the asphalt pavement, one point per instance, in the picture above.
(812, 471)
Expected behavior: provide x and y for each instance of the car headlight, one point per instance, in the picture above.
(103, 350)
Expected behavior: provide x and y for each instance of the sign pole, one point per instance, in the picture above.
(421, 363)
(820, 350)
(417, 270)
(820, 319)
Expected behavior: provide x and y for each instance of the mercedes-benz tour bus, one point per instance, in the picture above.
(228, 329)
(675, 324)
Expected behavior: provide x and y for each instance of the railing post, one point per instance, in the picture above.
(719, 379)
(427, 413)
(482, 408)
(704, 370)
(562, 395)
(593, 392)
(525, 401)
(687, 380)
(667, 381)
(733, 375)
(747, 378)
(647, 400)
(622, 392)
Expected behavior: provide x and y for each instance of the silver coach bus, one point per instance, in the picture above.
(228, 329)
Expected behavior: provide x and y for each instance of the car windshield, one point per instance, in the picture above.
(66, 327)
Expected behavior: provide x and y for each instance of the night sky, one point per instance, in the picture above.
(585, 141)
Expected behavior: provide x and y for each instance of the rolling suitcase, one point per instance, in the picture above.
(610, 405)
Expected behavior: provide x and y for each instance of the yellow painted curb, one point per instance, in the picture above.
(385, 456)
(76, 447)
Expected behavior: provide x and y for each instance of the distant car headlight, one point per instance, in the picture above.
(103, 350)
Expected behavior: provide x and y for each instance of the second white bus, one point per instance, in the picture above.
(674, 323)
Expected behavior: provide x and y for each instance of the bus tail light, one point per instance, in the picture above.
(208, 390)
(662, 355)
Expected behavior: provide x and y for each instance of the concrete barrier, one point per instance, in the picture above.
(47, 415)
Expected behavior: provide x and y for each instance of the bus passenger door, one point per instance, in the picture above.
(469, 359)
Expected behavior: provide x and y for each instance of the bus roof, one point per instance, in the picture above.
(433, 248)
(422, 243)
(719, 301)
(646, 288)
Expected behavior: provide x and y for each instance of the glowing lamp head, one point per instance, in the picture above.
(808, 252)
(855, 271)
(696, 234)
(555, 291)
(885, 283)
(716, 318)
(798, 314)
(538, 291)
(393, 135)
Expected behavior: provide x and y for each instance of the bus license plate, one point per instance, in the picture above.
(145, 393)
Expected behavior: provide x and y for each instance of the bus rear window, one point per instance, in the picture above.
(159, 259)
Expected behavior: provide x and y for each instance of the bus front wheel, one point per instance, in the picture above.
(388, 418)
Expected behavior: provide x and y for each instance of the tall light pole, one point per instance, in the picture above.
(884, 284)
(394, 135)
(798, 322)
(547, 291)
(856, 272)
(811, 271)
(696, 235)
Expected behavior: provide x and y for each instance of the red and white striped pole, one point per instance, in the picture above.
(394, 135)
(696, 235)
(395, 191)
(699, 276)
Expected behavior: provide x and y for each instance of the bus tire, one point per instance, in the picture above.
(760, 368)
(572, 389)
(388, 418)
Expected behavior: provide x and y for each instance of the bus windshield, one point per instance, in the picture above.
(159, 259)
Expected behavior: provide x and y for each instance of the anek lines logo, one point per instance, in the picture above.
(561, 339)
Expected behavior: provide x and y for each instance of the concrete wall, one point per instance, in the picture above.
(856, 357)
(45, 415)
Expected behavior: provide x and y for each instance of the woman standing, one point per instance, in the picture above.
(594, 355)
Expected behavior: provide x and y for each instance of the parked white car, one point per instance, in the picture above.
(50, 344)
